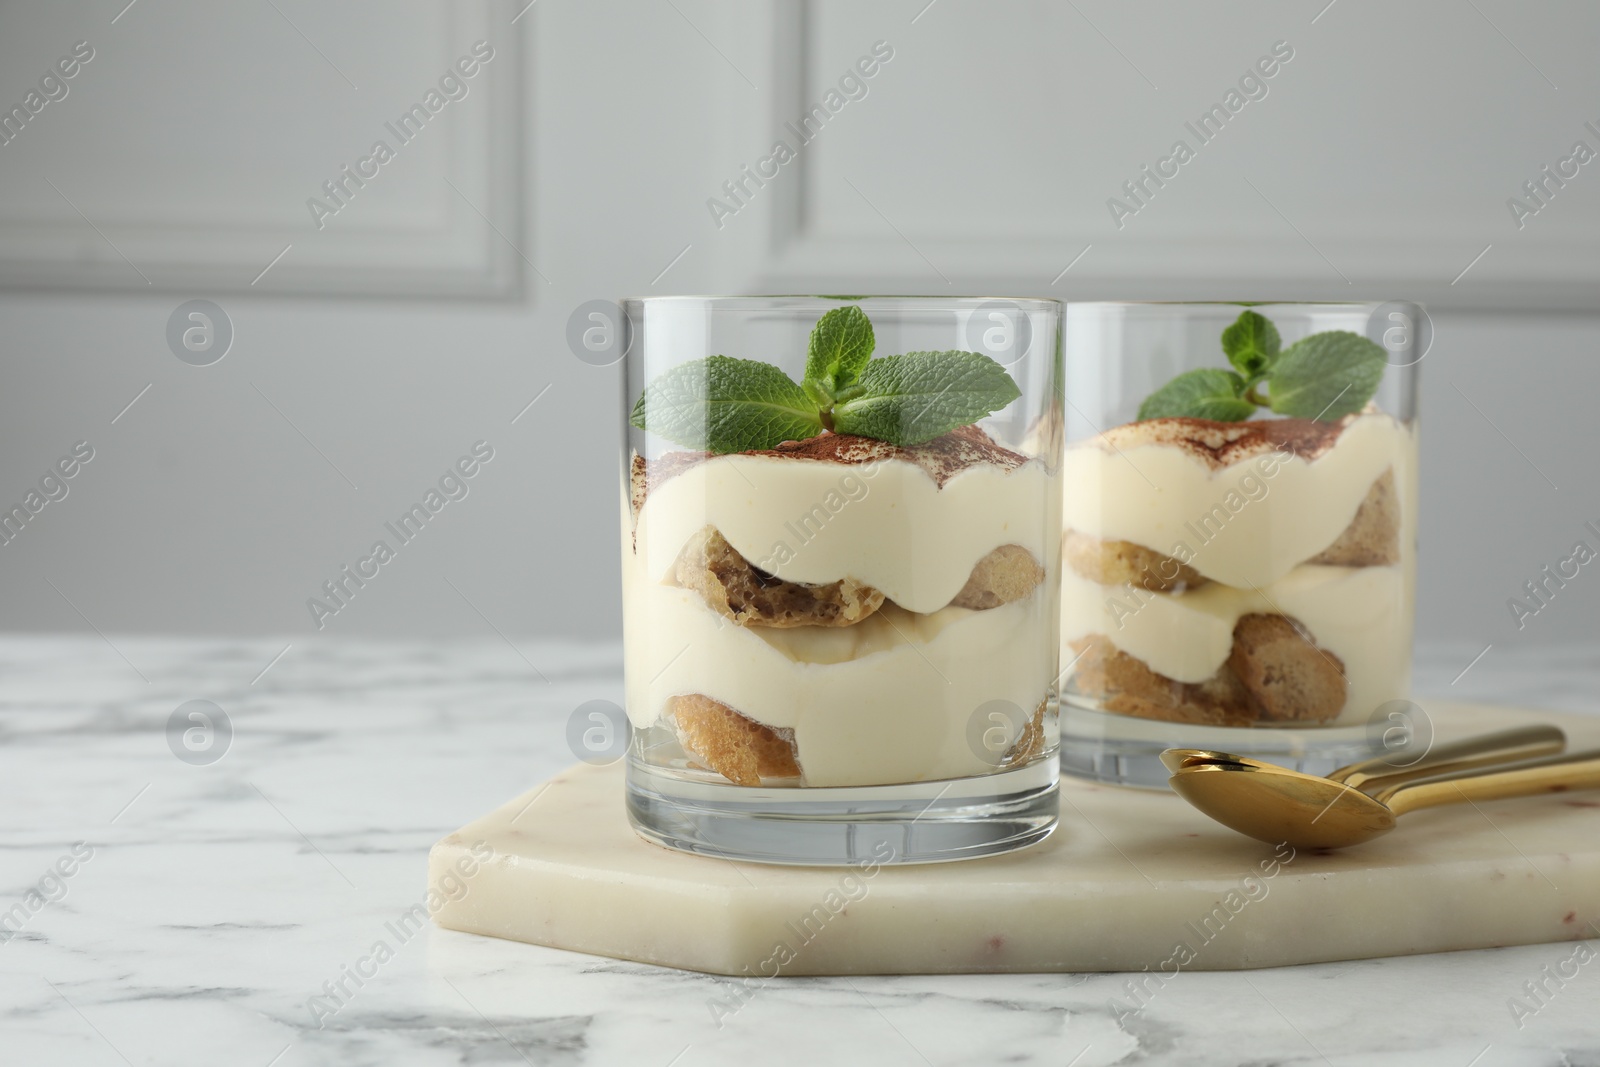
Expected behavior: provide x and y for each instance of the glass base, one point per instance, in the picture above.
(921, 822)
(1127, 751)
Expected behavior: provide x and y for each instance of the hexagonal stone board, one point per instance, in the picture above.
(1130, 880)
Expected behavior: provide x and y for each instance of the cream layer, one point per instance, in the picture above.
(891, 699)
(887, 524)
(1246, 524)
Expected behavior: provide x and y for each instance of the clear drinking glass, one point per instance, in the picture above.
(1245, 585)
(839, 649)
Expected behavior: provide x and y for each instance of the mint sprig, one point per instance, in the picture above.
(721, 404)
(916, 397)
(840, 345)
(1200, 394)
(1327, 376)
(1324, 376)
(1251, 343)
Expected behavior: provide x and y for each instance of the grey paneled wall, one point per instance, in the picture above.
(979, 157)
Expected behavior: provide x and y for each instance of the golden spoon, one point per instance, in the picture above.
(1502, 746)
(1275, 805)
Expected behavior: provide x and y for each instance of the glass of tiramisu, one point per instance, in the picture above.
(841, 545)
(1239, 532)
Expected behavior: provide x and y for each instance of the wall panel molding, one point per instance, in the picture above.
(444, 220)
(1397, 251)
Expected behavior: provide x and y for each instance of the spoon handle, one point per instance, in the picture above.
(1553, 774)
(1502, 746)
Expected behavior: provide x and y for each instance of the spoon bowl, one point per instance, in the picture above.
(1175, 759)
(1274, 805)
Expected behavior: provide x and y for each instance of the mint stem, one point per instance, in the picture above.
(1256, 398)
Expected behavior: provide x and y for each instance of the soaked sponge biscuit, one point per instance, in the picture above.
(1373, 537)
(1030, 743)
(1123, 562)
(1125, 684)
(750, 596)
(1007, 574)
(747, 752)
(1291, 679)
(1275, 673)
(737, 747)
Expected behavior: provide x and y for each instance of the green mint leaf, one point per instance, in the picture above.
(1199, 394)
(913, 398)
(841, 343)
(1252, 343)
(1326, 376)
(722, 404)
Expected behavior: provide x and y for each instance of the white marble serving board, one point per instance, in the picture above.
(1130, 881)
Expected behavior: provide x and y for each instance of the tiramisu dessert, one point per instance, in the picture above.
(1228, 570)
(827, 582)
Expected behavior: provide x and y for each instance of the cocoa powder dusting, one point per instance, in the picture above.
(1221, 444)
(941, 458)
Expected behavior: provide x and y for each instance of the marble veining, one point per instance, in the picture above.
(228, 912)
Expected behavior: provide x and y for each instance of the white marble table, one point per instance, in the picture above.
(208, 905)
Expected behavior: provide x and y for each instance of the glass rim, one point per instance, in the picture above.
(1178, 305)
(809, 301)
